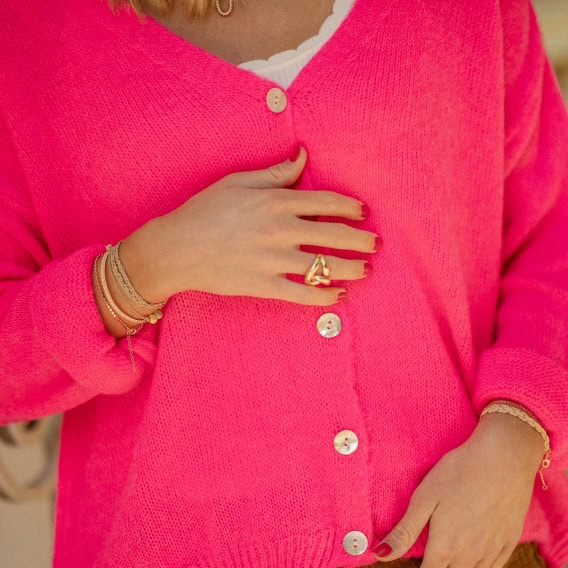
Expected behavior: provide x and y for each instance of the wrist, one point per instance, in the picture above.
(517, 411)
(141, 257)
(515, 435)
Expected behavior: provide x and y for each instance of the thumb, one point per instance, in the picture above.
(283, 174)
(401, 538)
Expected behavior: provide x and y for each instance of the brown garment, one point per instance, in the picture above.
(524, 556)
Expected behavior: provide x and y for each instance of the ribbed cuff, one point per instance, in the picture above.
(67, 322)
(533, 381)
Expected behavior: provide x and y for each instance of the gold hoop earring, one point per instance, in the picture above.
(226, 12)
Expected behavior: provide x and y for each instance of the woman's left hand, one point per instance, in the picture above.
(475, 499)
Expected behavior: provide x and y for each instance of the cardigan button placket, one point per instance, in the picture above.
(346, 442)
(355, 543)
(329, 325)
(276, 100)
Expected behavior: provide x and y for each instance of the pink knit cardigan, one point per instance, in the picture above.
(444, 117)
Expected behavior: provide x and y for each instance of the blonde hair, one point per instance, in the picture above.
(161, 8)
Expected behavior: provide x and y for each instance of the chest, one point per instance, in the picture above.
(384, 109)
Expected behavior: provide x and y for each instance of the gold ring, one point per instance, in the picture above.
(313, 276)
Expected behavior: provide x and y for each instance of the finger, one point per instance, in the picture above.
(328, 203)
(284, 174)
(336, 236)
(488, 560)
(339, 268)
(285, 289)
(403, 536)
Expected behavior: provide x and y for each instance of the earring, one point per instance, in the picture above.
(226, 12)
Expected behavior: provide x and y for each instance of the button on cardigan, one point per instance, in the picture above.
(443, 117)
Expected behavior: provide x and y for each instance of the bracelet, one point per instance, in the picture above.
(124, 296)
(518, 411)
(108, 297)
(129, 331)
(152, 318)
(119, 274)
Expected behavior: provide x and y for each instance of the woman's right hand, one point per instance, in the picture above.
(242, 235)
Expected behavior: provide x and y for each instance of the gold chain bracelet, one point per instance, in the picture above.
(518, 411)
(129, 331)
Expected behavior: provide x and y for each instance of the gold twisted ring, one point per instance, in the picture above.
(313, 276)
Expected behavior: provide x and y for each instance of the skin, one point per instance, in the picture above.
(476, 497)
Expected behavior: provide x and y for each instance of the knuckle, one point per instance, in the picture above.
(277, 195)
(273, 232)
(342, 269)
(340, 231)
(280, 199)
(403, 535)
(264, 201)
(278, 173)
(328, 199)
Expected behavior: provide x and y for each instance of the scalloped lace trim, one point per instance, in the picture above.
(307, 49)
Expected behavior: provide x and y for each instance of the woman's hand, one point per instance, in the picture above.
(241, 236)
(475, 499)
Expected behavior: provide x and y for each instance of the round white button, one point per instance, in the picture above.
(329, 325)
(355, 543)
(346, 442)
(276, 100)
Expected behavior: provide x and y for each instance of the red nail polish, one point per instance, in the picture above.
(378, 244)
(368, 269)
(365, 211)
(342, 296)
(384, 549)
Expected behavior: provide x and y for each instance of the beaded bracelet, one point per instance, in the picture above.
(518, 411)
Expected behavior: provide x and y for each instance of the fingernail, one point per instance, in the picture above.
(296, 154)
(383, 549)
(378, 244)
(342, 296)
(368, 269)
(365, 211)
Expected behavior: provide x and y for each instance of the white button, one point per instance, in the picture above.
(329, 325)
(355, 543)
(276, 100)
(346, 442)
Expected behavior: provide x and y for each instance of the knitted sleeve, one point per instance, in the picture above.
(54, 351)
(528, 362)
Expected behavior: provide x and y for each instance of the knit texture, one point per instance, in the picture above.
(444, 117)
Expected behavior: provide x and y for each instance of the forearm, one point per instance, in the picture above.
(55, 352)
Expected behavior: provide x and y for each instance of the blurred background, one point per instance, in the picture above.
(28, 451)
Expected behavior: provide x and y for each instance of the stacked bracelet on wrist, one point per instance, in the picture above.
(134, 299)
(514, 409)
(131, 323)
